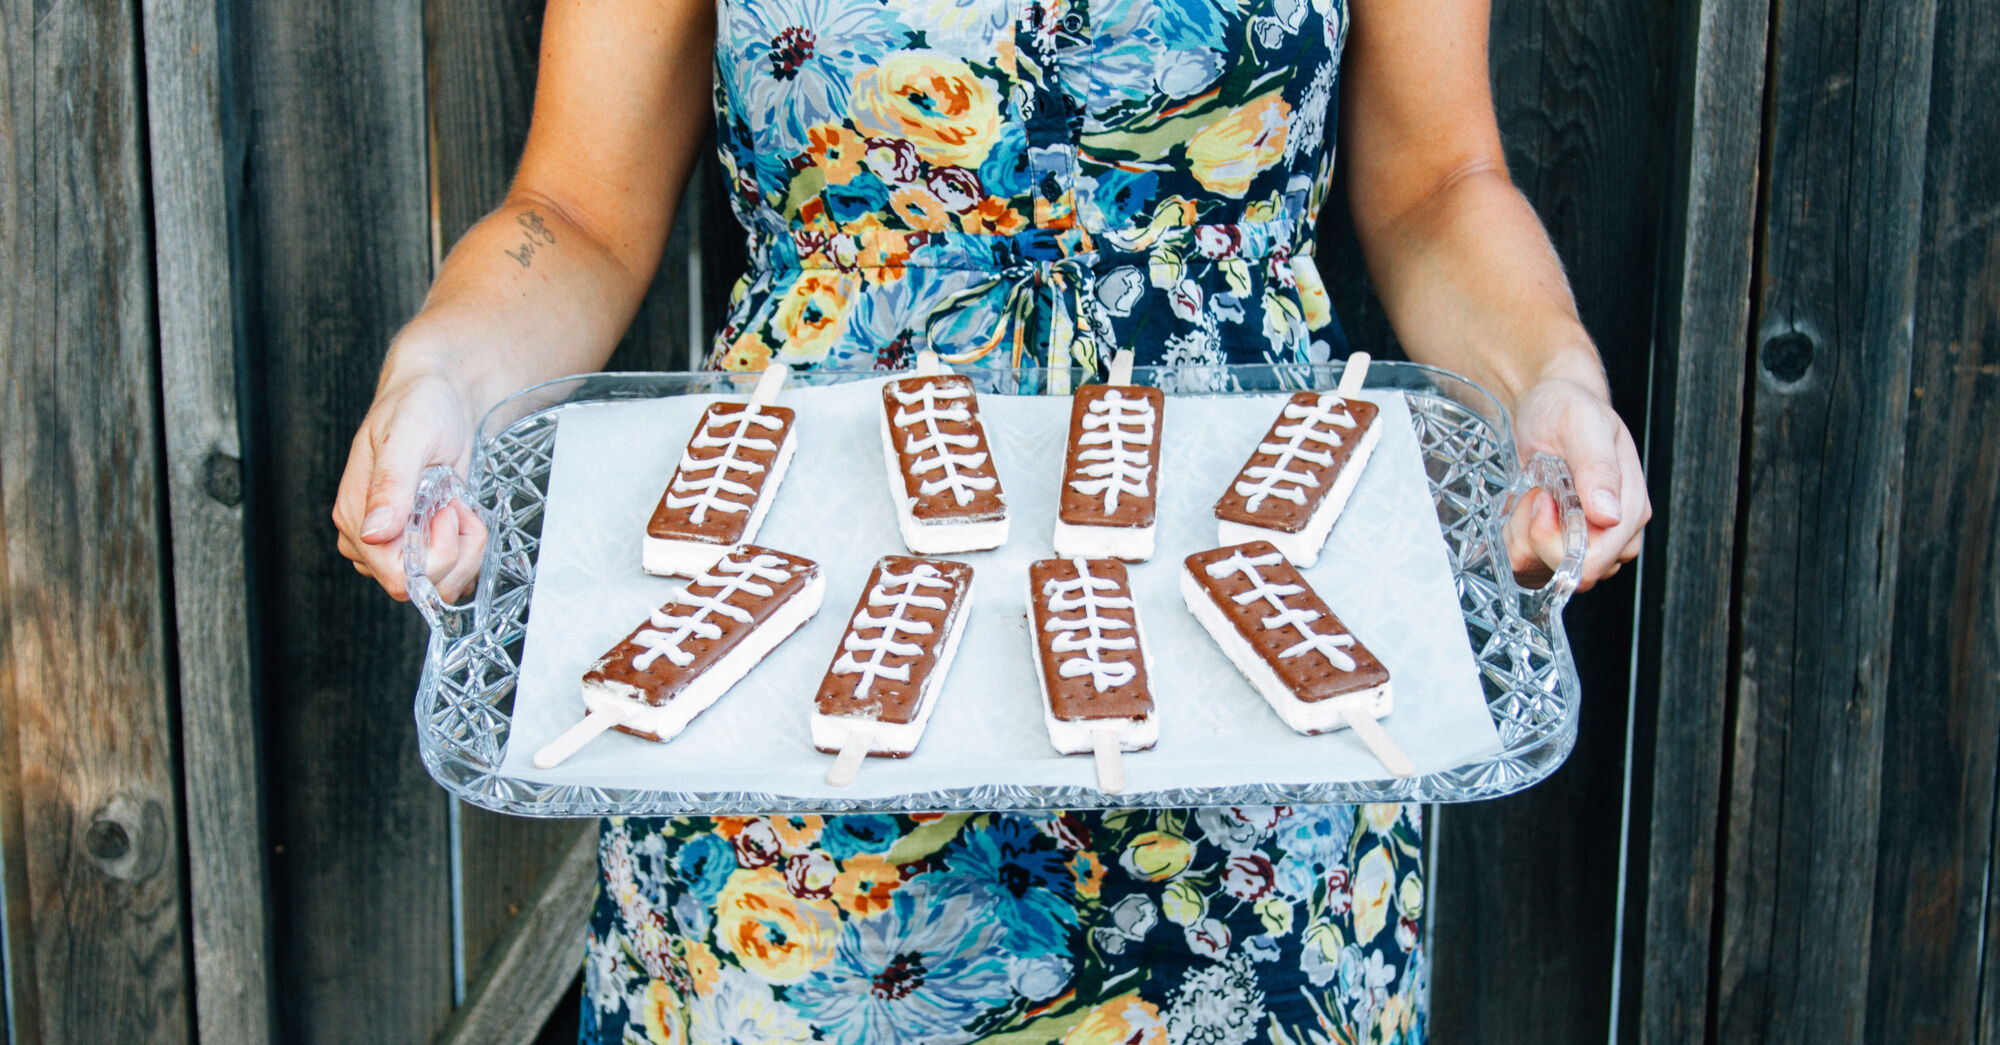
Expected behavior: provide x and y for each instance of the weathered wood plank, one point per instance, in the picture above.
(6, 963)
(17, 921)
(1938, 761)
(480, 66)
(1827, 413)
(502, 858)
(1575, 87)
(228, 888)
(93, 840)
(533, 964)
(1693, 435)
(336, 198)
(1989, 977)
(17, 931)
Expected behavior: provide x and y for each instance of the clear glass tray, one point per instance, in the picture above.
(1517, 638)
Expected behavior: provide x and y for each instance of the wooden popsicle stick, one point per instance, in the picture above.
(928, 363)
(557, 751)
(768, 385)
(1110, 765)
(1379, 744)
(1121, 367)
(1355, 373)
(848, 762)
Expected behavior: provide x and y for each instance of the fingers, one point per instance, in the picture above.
(371, 490)
(452, 560)
(467, 543)
(1610, 483)
(399, 461)
(377, 555)
(1590, 448)
(1533, 533)
(404, 434)
(382, 563)
(351, 500)
(1617, 543)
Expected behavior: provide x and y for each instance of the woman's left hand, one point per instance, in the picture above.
(1574, 421)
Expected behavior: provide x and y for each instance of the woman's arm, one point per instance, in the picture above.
(1464, 268)
(544, 285)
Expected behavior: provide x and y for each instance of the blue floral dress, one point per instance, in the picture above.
(1008, 182)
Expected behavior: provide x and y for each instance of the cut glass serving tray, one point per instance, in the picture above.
(1529, 679)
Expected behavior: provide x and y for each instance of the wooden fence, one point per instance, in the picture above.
(1778, 824)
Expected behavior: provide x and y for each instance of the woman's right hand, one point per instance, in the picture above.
(544, 285)
(414, 423)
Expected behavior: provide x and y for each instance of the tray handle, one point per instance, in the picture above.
(438, 487)
(1551, 473)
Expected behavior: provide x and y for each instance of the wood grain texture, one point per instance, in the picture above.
(228, 888)
(17, 919)
(1836, 290)
(537, 959)
(92, 818)
(480, 67)
(1938, 761)
(480, 62)
(1582, 110)
(1693, 438)
(340, 256)
(6, 966)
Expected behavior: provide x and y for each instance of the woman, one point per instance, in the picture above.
(1008, 182)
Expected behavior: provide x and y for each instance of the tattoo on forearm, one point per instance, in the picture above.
(535, 233)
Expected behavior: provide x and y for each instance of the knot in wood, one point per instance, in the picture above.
(1787, 356)
(107, 841)
(126, 838)
(222, 478)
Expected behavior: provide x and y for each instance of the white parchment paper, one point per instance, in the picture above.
(1385, 574)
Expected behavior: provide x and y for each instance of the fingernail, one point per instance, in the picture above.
(1605, 503)
(377, 522)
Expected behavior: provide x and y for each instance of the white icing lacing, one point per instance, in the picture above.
(900, 592)
(1315, 424)
(1085, 635)
(1120, 433)
(707, 493)
(728, 576)
(1328, 644)
(933, 450)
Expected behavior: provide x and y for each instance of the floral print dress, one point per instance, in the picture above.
(1218, 926)
(1012, 182)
